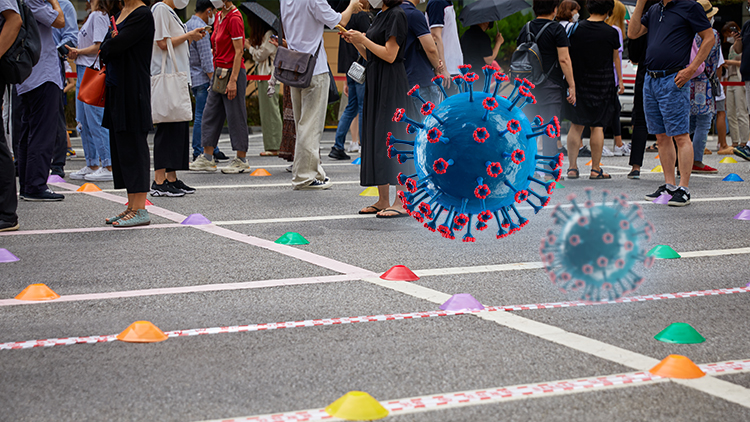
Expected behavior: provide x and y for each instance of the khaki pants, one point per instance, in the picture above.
(739, 127)
(270, 117)
(309, 106)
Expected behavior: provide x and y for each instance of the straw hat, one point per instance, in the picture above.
(708, 8)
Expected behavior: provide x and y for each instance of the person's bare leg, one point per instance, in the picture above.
(574, 142)
(209, 151)
(685, 152)
(596, 145)
(240, 154)
(354, 130)
(667, 157)
(160, 175)
(721, 129)
(618, 141)
(171, 176)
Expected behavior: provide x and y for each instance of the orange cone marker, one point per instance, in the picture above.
(589, 163)
(89, 187)
(676, 366)
(142, 332)
(260, 172)
(38, 291)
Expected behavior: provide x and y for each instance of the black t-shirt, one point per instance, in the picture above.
(348, 52)
(476, 45)
(671, 30)
(745, 62)
(552, 38)
(418, 66)
(592, 46)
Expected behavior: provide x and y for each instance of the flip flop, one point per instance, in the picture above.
(367, 210)
(392, 214)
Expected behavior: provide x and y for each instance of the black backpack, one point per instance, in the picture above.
(23, 55)
(526, 61)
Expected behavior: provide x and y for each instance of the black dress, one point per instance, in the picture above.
(386, 86)
(127, 106)
(591, 50)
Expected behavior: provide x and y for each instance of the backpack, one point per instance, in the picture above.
(23, 55)
(526, 61)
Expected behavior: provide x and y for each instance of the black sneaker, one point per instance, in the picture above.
(680, 198)
(220, 156)
(165, 189)
(584, 152)
(742, 151)
(661, 190)
(58, 171)
(338, 154)
(46, 196)
(635, 174)
(179, 185)
(7, 226)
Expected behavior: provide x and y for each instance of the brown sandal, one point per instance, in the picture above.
(600, 175)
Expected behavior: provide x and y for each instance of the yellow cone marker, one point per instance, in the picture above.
(676, 366)
(89, 187)
(142, 332)
(728, 160)
(357, 406)
(371, 191)
(657, 169)
(38, 291)
(260, 172)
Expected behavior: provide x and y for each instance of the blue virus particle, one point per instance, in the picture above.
(475, 156)
(596, 248)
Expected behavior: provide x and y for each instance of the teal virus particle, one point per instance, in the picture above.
(475, 156)
(595, 250)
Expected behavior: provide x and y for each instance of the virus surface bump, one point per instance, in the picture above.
(593, 250)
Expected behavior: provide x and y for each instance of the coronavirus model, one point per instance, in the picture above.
(596, 248)
(475, 156)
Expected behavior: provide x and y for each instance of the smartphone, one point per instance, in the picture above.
(340, 28)
(208, 29)
(276, 37)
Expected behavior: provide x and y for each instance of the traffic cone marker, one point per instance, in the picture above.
(89, 187)
(357, 161)
(371, 191)
(260, 172)
(357, 406)
(142, 332)
(53, 178)
(680, 333)
(196, 220)
(292, 238)
(399, 273)
(663, 199)
(676, 366)
(743, 215)
(663, 252)
(732, 177)
(728, 160)
(657, 169)
(148, 203)
(38, 291)
(7, 256)
(590, 162)
(462, 302)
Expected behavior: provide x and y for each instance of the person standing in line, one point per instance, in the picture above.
(65, 36)
(421, 59)
(742, 46)
(263, 52)
(737, 112)
(478, 50)
(617, 21)
(10, 25)
(172, 139)
(671, 27)
(39, 108)
(94, 137)
(201, 71)
(126, 51)
(304, 21)
(354, 91)
(441, 16)
(228, 40)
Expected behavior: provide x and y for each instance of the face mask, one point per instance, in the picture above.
(180, 4)
(376, 4)
(712, 21)
(730, 39)
(575, 17)
(218, 4)
(211, 20)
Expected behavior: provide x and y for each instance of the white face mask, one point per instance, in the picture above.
(575, 17)
(376, 4)
(218, 4)
(730, 39)
(180, 4)
(211, 20)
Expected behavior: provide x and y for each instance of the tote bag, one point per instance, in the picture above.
(170, 93)
(92, 86)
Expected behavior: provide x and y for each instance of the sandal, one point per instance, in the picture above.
(370, 210)
(111, 220)
(575, 175)
(600, 175)
(652, 148)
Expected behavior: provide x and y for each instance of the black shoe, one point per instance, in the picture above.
(220, 156)
(7, 226)
(680, 198)
(563, 151)
(338, 154)
(661, 190)
(635, 174)
(742, 151)
(195, 156)
(57, 171)
(46, 196)
(179, 185)
(165, 189)
(584, 152)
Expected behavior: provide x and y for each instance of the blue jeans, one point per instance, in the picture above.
(699, 126)
(94, 137)
(667, 108)
(353, 109)
(201, 94)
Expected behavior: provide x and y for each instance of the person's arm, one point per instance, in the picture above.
(194, 35)
(232, 84)
(73, 53)
(685, 74)
(137, 28)
(431, 50)
(387, 52)
(264, 50)
(733, 62)
(70, 33)
(437, 34)
(10, 30)
(635, 28)
(618, 68)
(354, 7)
(60, 20)
(737, 46)
(499, 40)
(563, 56)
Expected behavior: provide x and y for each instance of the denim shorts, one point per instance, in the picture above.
(667, 107)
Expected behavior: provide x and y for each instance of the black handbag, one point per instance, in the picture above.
(333, 90)
(294, 68)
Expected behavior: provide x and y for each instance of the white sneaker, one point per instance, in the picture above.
(353, 147)
(203, 164)
(81, 174)
(101, 175)
(235, 166)
(606, 152)
(624, 150)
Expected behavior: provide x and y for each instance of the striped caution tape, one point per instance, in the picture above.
(371, 318)
(465, 398)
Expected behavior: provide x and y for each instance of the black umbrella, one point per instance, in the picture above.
(490, 10)
(263, 14)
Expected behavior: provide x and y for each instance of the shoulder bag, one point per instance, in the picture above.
(170, 93)
(294, 68)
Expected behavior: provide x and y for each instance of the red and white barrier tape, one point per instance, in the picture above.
(370, 318)
(464, 398)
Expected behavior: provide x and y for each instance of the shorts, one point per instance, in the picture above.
(667, 107)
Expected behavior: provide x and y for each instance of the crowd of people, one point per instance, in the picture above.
(680, 58)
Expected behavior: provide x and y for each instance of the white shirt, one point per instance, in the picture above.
(454, 57)
(303, 22)
(168, 25)
(93, 31)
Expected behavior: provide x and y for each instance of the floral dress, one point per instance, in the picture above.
(702, 98)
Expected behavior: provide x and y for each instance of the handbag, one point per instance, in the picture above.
(221, 79)
(170, 93)
(333, 90)
(92, 87)
(294, 68)
(356, 72)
